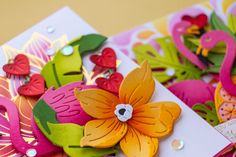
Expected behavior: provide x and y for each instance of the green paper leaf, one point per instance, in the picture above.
(208, 112)
(90, 42)
(63, 69)
(219, 48)
(217, 59)
(232, 22)
(217, 24)
(48, 115)
(169, 59)
(66, 135)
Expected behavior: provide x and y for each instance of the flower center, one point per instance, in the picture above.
(123, 112)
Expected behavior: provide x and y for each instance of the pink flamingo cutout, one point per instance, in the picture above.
(178, 31)
(209, 41)
(43, 147)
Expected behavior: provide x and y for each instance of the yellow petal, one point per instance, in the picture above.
(155, 119)
(97, 103)
(135, 144)
(103, 133)
(138, 86)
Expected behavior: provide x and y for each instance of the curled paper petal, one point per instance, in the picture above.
(137, 81)
(97, 103)
(136, 144)
(66, 135)
(103, 133)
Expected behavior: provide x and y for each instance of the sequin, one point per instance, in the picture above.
(177, 144)
(170, 71)
(31, 153)
(67, 50)
(50, 29)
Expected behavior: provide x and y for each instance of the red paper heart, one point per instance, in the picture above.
(19, 67)
(111, 84)
(106, 60)
(200, 20)
(35, 86)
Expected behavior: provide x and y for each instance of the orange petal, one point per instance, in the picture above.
(145, 34)
(97, 103)
(138, 86)
(155, 119)
(137, 144)
(103, 133)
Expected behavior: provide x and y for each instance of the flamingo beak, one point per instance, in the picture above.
(202, 51)
(193, 30)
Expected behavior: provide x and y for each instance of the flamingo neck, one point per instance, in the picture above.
(177, 38)
(43, 147)
(228, 62)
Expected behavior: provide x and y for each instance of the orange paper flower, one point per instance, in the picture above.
(128, 119)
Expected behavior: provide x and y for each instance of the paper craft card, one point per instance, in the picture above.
(178, 49)
(191, 135)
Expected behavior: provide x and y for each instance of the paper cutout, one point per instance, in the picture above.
(111, 84)
(19, 67)
(208, 41)
(24, 106)
(4, 88)
(106, 60)
(65, 135)
(184, 90)
(208, 112)
(63, 69)
(225, 103)
(232, 22)
(219, 48)
(179, 30)
(217, 59)
(107, 130)
(35, 86)
(66, 106)
(89, 43)
(217, 24)
(169, 59)
(42, 147)
(200, 20)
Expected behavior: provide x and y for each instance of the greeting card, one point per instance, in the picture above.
(67, 91)
(192, 53)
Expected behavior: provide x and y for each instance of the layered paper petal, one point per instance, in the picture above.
(155, 119)
(103, 133)
(97, 103)
(4, 87)
(137, 144)
(25, 106)
(138, 86)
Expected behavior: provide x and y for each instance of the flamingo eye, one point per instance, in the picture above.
(180, 29)
(208, 39)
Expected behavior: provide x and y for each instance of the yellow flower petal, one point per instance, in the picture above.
(135, 144)
(138, 86)
(103, 133)
(155, 119)
(97, 103)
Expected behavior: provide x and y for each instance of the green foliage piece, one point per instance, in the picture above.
(232, 23)
(183, 69)
(217, 24)
(66, 135)
(208, 112)
(90, 42)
